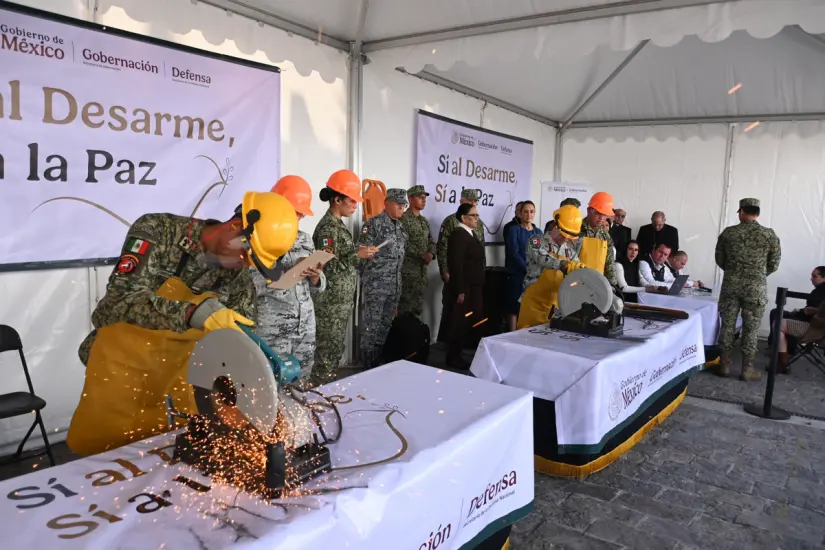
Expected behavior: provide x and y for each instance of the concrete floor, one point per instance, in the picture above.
(709, 477)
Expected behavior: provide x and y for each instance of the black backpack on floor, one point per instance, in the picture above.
(409, 339)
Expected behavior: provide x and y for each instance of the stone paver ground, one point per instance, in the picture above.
(703, 479)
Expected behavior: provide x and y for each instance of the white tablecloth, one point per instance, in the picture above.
(597, 384)
(426, 456)
(703, 303)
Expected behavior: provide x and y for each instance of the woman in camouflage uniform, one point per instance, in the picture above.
(334, 306)
(286, 318)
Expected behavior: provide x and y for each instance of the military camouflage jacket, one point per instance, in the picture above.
(154, 246)
(420, 241)
(292, 306)
(447, 226)
(387, 262)
(603, 235)
(748, 252)
(542, 254)
(333, 236)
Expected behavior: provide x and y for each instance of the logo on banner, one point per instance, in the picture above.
(614, 406)
(20, 40)
(463, 139)
(454, 137)
(488, 146)
(496, 491)
(506, 150)
(560, 188)
(108, 61)
(188, 77)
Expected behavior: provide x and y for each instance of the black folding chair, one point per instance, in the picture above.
(813, 352)
(20, 403)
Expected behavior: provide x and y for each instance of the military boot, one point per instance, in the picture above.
(723, 367)
(749, 374)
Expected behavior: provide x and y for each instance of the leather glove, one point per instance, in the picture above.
(225, 318)
(573, 266)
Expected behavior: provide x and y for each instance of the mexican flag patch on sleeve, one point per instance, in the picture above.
(326, 242)
(535, 242)
(137, 246)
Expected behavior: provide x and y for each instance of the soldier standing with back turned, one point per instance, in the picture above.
(747, 253)
(420, 252)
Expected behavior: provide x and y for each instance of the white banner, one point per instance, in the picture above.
(553, 192)
(453, 156)
(97, 129)
(596, 383)
(419, 465)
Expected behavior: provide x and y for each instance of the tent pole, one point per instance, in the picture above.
(557, 156)
(730, 144)
(355, 106)
(606, 82)
(576, 15)
(462, 89)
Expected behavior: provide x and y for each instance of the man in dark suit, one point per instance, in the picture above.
(465, 257)
(619, 233)
(655, 233)
(515, 221)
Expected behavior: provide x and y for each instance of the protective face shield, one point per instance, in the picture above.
(270, 226)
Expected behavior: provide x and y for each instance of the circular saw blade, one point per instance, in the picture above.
(233, 355)
(584, 286)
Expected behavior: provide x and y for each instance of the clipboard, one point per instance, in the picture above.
(293, 276)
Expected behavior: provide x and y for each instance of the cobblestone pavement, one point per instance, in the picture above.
(705, 478)
(801, 392)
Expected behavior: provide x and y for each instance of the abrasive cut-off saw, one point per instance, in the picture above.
(254, 429)
(588, 305)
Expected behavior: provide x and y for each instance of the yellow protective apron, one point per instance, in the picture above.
(540, 297)
(130, 372)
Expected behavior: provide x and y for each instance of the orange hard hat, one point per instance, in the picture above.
(297, 191)
(602, 203)
(346, 183)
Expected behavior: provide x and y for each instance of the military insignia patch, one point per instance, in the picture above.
(326, 243)
(137, 246)
(535, 242)
(329, 250)
(186, 244)
(127, 264)
(366, 229)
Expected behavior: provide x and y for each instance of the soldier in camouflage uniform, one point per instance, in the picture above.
(156, 247)
(333, 307)
(381, 277)
(286, 318)
(599, 209)
(747, 253)
(420, 252)
(468, 196)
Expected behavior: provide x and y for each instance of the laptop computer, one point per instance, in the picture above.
(677, 285)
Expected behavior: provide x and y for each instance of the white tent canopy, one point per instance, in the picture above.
(522, 67)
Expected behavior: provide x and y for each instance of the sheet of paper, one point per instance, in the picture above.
(293, 276)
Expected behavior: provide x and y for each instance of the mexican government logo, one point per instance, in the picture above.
(614, 405)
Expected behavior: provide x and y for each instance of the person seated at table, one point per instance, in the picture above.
(816, 297)
(803, 331)
(549, 258)
(627, 272)
(515, 258)
(677, 263)
(654, 273)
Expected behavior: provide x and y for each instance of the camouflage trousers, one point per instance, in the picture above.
(330, 331)
(291, 338)
(413, 288)
(379, 306)
(752, 305)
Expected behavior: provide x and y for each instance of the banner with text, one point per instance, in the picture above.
(453, 156)
(99, 127)
(553, 192)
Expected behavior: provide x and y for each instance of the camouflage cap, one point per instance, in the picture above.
(749, 202)
(417, 190)
(469, 195)
(570, 200)
(398, 196)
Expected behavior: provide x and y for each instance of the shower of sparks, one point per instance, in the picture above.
(468, 314)
(752, 126)
(734, 89)
(482, 321)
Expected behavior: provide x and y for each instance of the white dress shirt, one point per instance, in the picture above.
(646, 275)
(623, 286)
(467, 228)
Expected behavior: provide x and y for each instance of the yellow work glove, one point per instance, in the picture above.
(225, 318)
(573, 266)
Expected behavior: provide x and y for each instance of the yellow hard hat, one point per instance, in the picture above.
(568, 219)
(270, 226)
